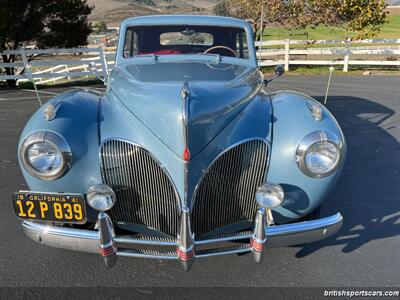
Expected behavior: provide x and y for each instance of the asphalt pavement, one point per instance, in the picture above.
(364, 253)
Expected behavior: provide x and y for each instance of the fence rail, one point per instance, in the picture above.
(58, 68)
(265, 52)
(285, 52)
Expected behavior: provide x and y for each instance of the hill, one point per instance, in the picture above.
(113, 11)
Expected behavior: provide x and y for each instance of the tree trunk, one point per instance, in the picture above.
(10, 70)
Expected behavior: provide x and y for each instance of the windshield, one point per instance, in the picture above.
(185, 39)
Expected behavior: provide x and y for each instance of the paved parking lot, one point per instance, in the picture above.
(364, 253)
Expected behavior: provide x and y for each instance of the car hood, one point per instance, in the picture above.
(216, 94)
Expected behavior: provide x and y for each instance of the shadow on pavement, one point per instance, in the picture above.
(368, 192)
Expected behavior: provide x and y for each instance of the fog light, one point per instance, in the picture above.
(100, 197)
(269, 195)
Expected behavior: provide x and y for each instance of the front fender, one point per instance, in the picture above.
(292, 121)
(77, 121)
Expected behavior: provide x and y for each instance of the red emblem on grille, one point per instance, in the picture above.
(186, 154)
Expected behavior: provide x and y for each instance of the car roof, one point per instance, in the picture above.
(184, 20)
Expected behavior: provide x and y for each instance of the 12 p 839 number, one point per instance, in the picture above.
(64, 208)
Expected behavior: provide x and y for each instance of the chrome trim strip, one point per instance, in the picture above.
(88, 240)
(238, 250)
(167, 256)
(303, 232)
(294, 228)
(129, 240)
(232, 238)
(185, 96)
(133, 253)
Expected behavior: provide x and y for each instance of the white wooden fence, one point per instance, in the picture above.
(287, 56)
(285, 52)
(59, 68)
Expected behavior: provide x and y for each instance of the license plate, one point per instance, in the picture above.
(50, 207)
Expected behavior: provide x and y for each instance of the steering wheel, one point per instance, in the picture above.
(221, 47)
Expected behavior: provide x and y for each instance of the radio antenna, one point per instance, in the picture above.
(261, 32)
(29, 74)
(331, 69)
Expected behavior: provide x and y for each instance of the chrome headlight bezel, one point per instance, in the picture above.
(55, 140)
(314, 138)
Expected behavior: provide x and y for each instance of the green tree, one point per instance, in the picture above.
(45, 23)
(361, 18)
(222, 8)
(101, 27)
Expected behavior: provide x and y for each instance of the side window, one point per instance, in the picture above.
(242, 49)
(131, 46)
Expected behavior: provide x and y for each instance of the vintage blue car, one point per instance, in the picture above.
(186, 155)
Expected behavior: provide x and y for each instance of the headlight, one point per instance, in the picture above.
(319, 154)
(45, 155)
(270, 195)
(100, 197)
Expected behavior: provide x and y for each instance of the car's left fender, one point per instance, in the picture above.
(77, 121)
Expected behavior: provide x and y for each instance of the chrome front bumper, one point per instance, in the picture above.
(276, 236)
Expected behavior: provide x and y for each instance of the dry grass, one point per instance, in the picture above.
(394, 10)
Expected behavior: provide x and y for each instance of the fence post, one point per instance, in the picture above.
(67, 71)
(287, 44)
(51, 71)
(346, 57)
(103, 64)
(85, 68)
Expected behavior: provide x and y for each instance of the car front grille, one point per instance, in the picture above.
(145, 194)
(226, 193)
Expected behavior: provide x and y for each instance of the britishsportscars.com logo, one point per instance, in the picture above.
(361, 293)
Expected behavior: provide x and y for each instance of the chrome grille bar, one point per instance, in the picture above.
(145, 194)
(226, 193)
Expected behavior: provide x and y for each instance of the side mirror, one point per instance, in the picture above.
(92, 67)
(93, 70)
(279, 70)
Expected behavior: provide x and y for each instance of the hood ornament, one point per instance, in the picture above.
(50, 111)
(185, 92)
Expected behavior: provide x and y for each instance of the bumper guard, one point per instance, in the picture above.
(91, 241)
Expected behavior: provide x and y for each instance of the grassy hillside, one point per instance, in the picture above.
(389, 30)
